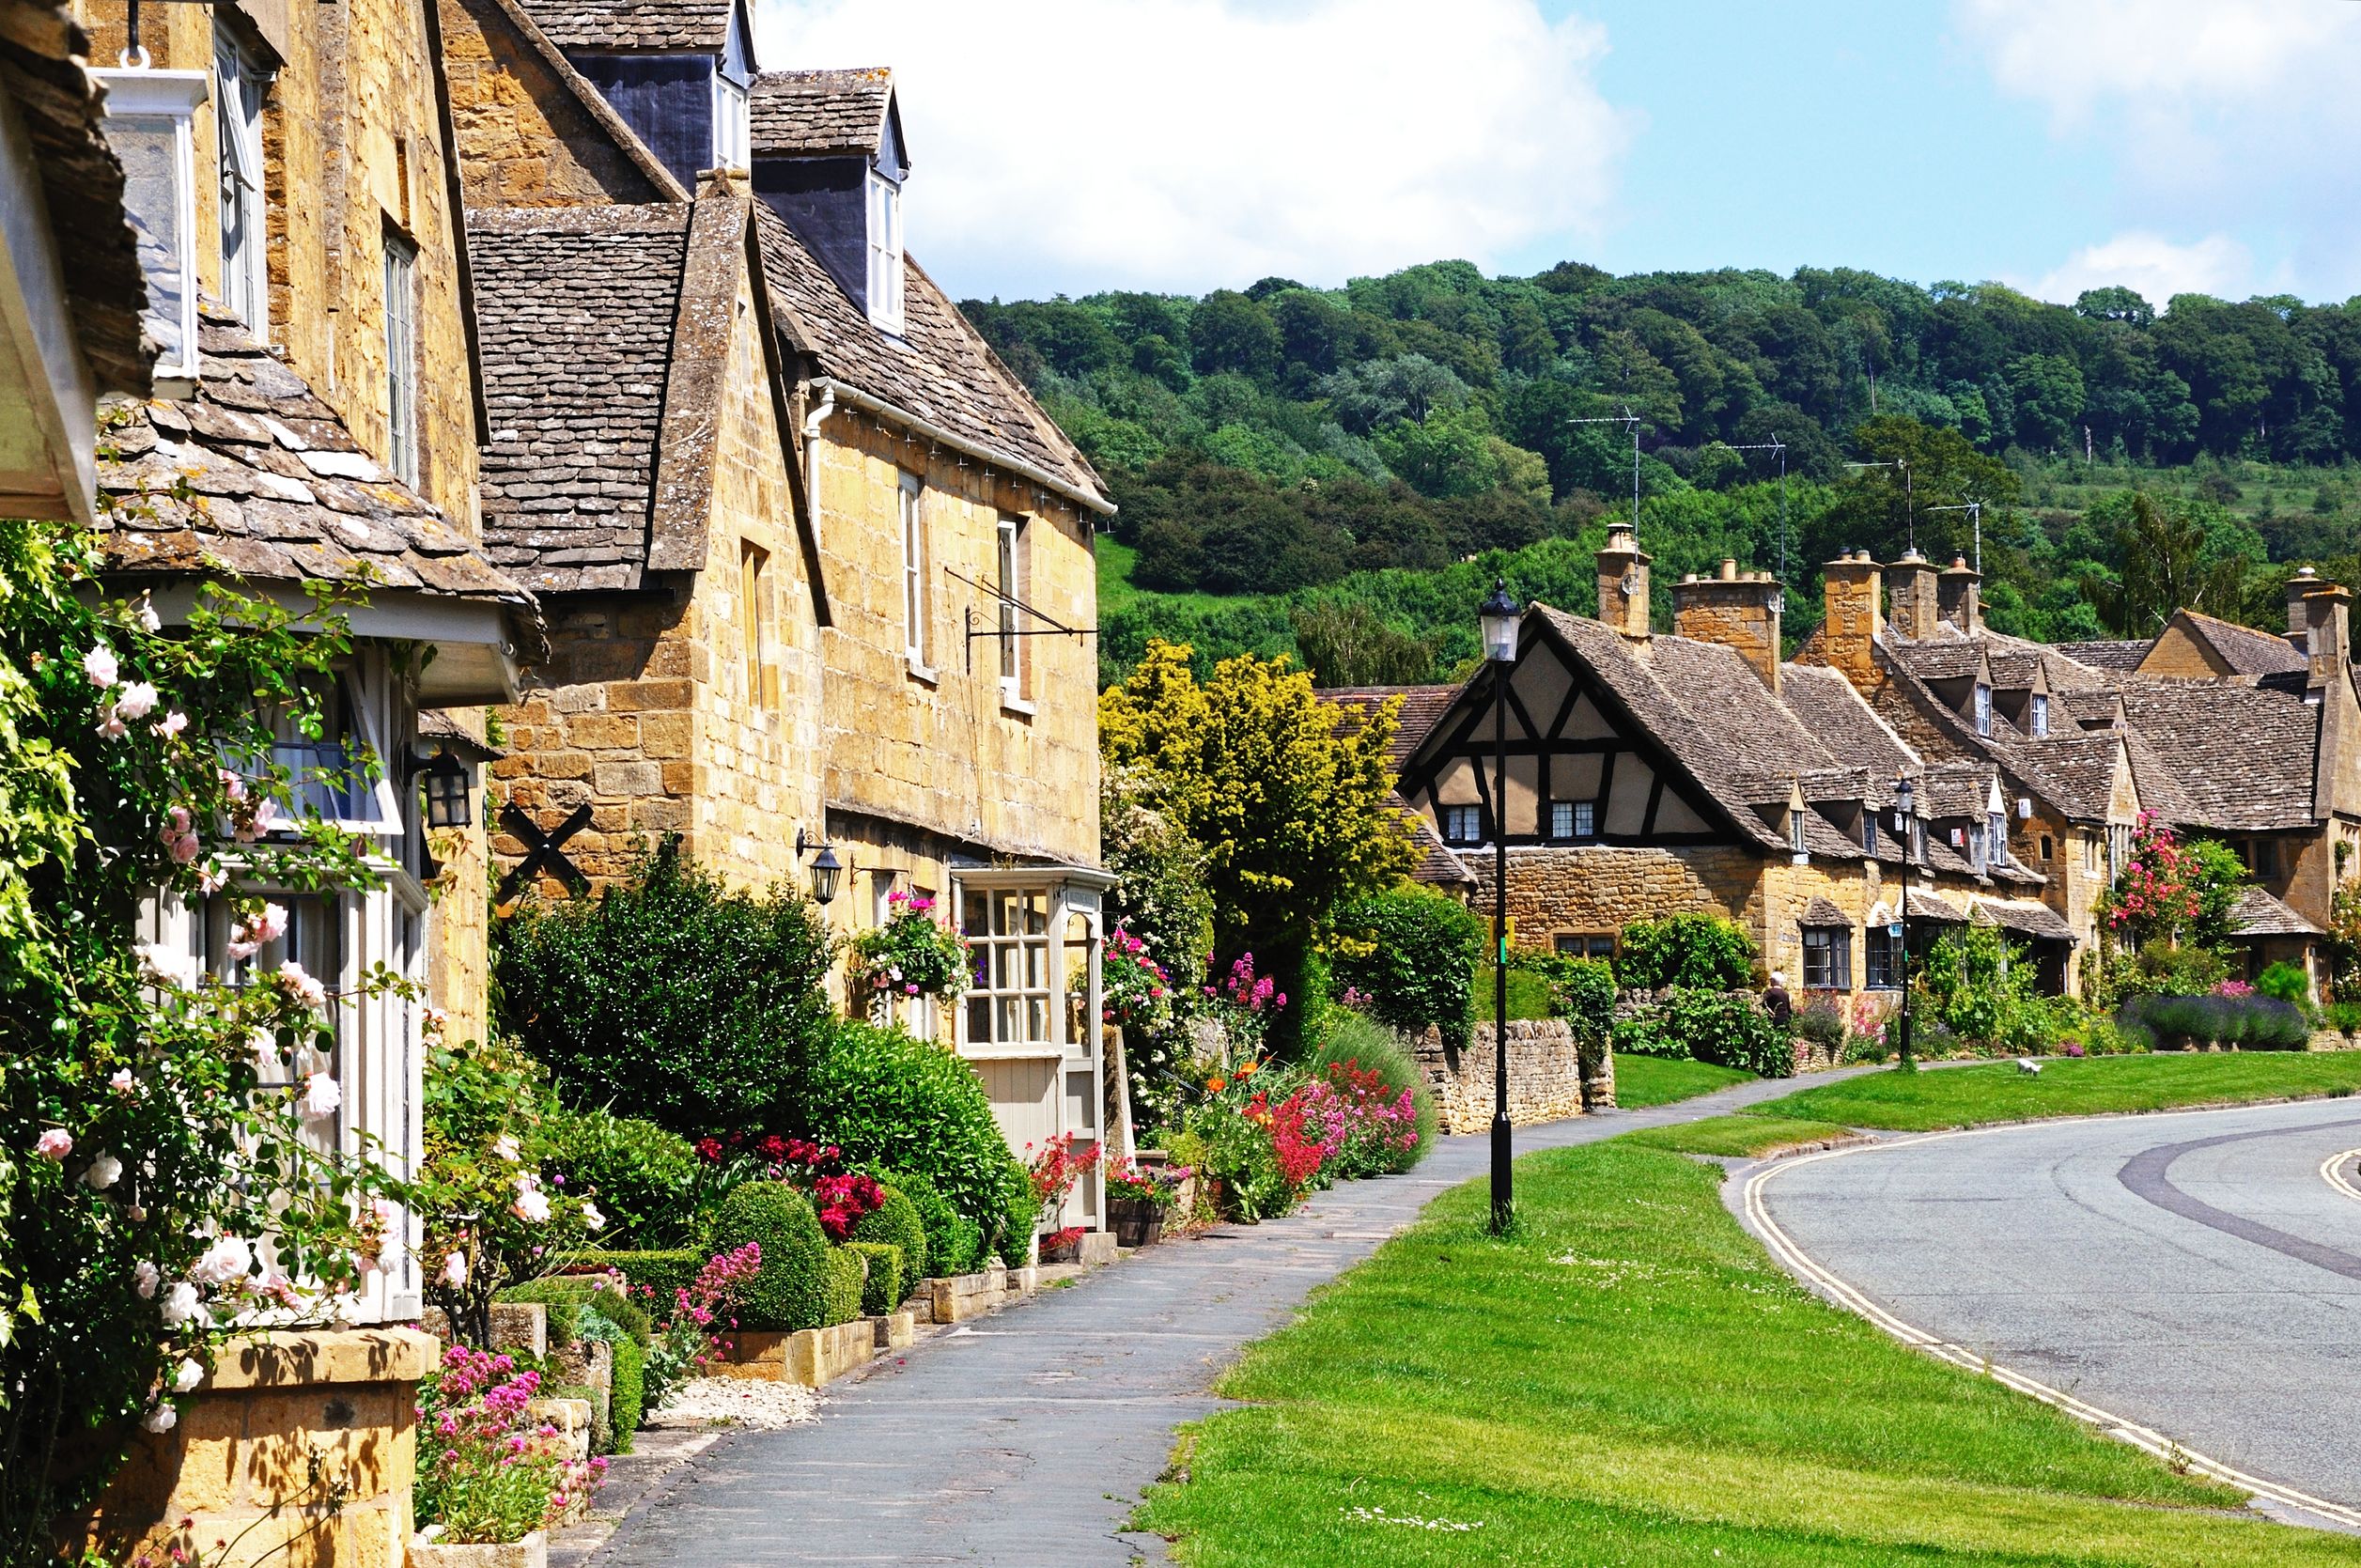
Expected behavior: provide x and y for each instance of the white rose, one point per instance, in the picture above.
(505, 1146)
(301, 985)
(137, 701)
(455, 1270)
(105, 1171)
(146, 1276)
(182, 1305)
(531, 1204)
(148, 619)
(100, 666)
(122, 1083)
(592, 1218)
(163, 1418)
(320, 1097)
(160, 965)
(185, 1380)
(228, 1261)
(265, 1046)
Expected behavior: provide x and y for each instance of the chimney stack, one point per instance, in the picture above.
(1623, 582)
(1848, 638)
(1739, 610)
(2328, 633)
(2305, 581)
(1915, 610)
(1959, 592)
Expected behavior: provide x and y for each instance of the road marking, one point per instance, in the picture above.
(2334, 1177)
(1793, 1258)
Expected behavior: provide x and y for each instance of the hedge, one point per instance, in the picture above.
(844, 1279)
(644, 1179)
(895, 1223)
(793, 1288)
(626, 1395)
(660, 1272)
(953, 1240)
(882, 1291)
(1414, 953)
(1699, 952)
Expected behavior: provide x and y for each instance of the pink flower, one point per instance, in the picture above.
(54, 1144)
(122, 1083)
(455, 1270)
(137, 701)
(172, 724)
(322, 1097)
(146, 1276)
(99, 666)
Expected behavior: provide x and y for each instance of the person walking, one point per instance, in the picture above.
(1775, 1000)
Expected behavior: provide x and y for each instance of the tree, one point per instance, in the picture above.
(1290, 807)
(1234, 333)
(1876, 505)
(2167, 563)
(1347, 645)
(2049, 398)
(2115, 303)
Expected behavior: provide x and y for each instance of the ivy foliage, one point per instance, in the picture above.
(694, 1005)
(1701, 952)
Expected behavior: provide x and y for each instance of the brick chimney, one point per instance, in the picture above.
(2329, 632)
(1958, 593)
(1738, 609)
(1848, 638)
(1914, 612)
(1623, 582)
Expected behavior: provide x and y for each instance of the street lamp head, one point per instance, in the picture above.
(1500, 614)
(1904, 797)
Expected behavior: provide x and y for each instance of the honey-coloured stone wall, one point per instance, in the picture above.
(1547, 1077)
(528, 133)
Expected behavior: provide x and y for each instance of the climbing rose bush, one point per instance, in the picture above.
(170, 1160)
(489, 1471)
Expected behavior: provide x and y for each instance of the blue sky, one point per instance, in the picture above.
(1074, 144)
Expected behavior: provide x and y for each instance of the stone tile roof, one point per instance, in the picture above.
(701, 25)
(2121, 657)
(1923, 905)
(576, 307)
(1846, 726)
(41, 53)
(278, 491)
(811, 114)
(938, 371)
(2024, 917)
(1421, 706)
(2247, 651)
(2244, 755)
(1820, 911)
(2256, 913)
(1437, 862)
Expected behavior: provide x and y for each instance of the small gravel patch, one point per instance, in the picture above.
(745, 1401)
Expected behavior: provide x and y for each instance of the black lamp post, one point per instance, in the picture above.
(1501, 616)
(1907, 820)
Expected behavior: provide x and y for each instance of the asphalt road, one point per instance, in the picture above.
(1026, 1437)
(2194, 1273)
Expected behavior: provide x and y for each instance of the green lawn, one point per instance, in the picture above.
(1630, 1380)
(1646, 1080)
(1738, 1137)
(1998, 1092)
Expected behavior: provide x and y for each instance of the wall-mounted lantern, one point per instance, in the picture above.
(150, 123)
(448, 797)
(824, 867)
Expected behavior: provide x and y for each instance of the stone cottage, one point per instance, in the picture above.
(2221, 730)
(836, 594)
(1650, 775)
(290, 182)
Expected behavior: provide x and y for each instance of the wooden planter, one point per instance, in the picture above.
(531, 1552)
(1137, 1221)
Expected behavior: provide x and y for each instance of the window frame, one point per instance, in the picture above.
(733, 124)
(1451, 834)
(1012, 564)
(239, 87)
(1581, 821)
(1586, 944)
(1835, 944)
(754, 614)
(989, 952)
(885, 263)
(1982, 702)
(1881, 959)
(401, 309)
(912, 502)
(2038, 711)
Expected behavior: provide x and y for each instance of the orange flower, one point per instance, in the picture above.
(1215, 1085)
(1247, 1071)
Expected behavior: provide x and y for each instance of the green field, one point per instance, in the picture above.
(1998, 1092)
(1629, 1380)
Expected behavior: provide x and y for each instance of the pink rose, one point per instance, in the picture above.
(54, 1144)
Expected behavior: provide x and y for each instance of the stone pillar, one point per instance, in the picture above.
(1959, 592)
(1741, 611)
(1914, 609)
(245, 1445)
(1848, 638)
(1622, 568)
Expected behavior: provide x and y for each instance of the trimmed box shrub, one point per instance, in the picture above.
(645, 1180)
(844, 1279)
(953, 1240)
(886, 1284)
(1413, 953)
(895, 1223)
(1695, 952)
(662, 1272)
(626, 1397)
(792, 1290)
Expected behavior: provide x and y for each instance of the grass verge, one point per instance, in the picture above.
(1739, 1137)
(1630, 1379)
(1646, 1081)
(1998, 1092)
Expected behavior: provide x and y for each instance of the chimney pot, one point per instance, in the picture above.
(1728, 570)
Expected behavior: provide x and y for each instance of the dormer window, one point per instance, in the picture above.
(733, 135)
(885, 253)
(150, 119)
(1983, 708)
(2040, 715)
(1795, 833)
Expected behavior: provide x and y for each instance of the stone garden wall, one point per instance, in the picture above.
(1546, 1076)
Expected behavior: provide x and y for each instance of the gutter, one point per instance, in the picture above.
(830, 390)
(812, 422)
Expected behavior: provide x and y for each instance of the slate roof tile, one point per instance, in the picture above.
(2244, 755)
(699, 26)
(2247, 651)
(811, 114)
(2256, 913)
(2121, 657)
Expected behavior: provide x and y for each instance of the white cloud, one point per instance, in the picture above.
(2154, 267)
(1190, 144)
(2075, 54)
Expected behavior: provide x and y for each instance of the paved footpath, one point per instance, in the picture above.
(1027, 1437)
(2194, 1272)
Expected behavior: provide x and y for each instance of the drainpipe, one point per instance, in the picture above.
(812, 422)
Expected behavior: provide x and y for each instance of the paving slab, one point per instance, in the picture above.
(1026, 1437)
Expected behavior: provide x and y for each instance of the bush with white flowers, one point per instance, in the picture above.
(163, 1174)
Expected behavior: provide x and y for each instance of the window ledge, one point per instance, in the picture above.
(925, 673)
(1022, 708)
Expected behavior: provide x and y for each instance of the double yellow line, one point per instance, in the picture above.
(1796, 1261)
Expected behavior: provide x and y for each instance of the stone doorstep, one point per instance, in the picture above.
(811, 1356)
